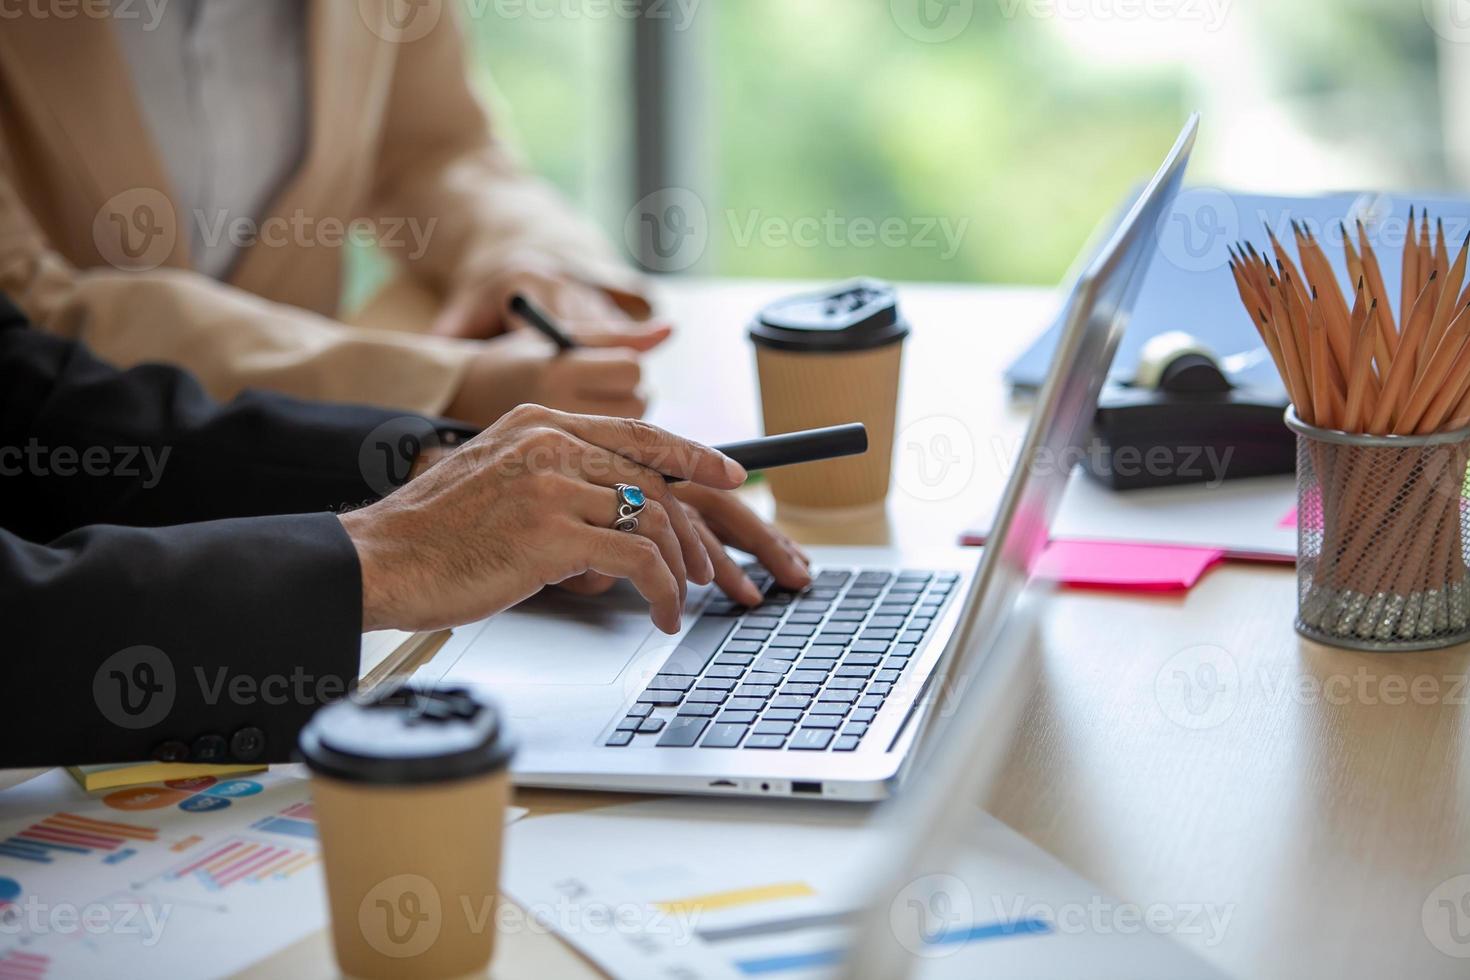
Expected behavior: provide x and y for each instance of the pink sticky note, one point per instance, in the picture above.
(1129, 567)
(1289, 520)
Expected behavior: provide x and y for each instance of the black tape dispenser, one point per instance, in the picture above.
(1181, 419)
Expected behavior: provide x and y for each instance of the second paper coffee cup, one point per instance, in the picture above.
(410, 790)
(826, 359)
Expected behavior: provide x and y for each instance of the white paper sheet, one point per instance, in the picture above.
(699, 889)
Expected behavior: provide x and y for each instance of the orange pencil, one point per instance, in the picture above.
(1363, 334)
(1410, 289)
(1401, 372)
(1435, 375)
(1373, 272)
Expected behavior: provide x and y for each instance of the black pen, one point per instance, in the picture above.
(789, 448)
(527, 311)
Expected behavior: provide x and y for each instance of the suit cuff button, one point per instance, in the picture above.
(171, 751)
(248, 744)
(209, 748)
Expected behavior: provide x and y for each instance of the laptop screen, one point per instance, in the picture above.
(958, 750)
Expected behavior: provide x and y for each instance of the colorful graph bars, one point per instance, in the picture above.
(64, 833)
(242, 859)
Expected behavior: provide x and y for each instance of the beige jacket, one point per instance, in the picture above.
(92, 246)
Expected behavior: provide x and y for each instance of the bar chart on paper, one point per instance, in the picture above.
(242, 860)
(713, 891)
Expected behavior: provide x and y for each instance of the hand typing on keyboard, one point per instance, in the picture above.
(720, 519)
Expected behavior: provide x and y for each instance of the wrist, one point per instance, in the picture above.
(362, 527)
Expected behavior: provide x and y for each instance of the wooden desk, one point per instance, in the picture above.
(1319, 797)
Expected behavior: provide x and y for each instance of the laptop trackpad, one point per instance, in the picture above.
(556, 638)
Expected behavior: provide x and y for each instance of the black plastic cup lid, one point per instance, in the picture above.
(405, 736)
(860, 314)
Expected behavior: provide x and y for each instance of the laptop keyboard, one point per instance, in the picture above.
(803, 671)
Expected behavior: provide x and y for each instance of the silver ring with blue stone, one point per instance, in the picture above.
(631, 502)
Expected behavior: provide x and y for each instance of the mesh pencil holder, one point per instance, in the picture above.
(1382, 538)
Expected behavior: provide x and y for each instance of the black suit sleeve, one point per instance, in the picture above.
(210, 640)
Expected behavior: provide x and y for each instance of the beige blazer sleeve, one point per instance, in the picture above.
(441, 159)
(227, 337)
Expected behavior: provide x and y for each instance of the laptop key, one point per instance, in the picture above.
(863, 715)
(723, 670)
(801, 690)
(825, 650)
(714, 684)
(856, 728)
(895, 664)
(760, 622)
(756, 636)
(904, 650)
(662, 698)
(803, 676)
(650, 725)
(805, 618)
(789, 642)
(683, 732)
(886, 622)
(857, 659)
(822, 666)
(782, 714)
(845, 743)
(871, 646)
(619, 738)
(741, 646)
(698, 646)
(886, 676)
(848, 616)
(846, 695)
(765, 727)
(811, 606)
(810, 740)
(771, 665)
(734, 659)
(827, 708)
(745, 704)
(820, 721)
(870, 701)
(833, 639)
(723, 736)
(841, 628)
(849, 683)
(796, 629)
(640, 710)
(846, 671)
(699, 710)
(755, 690)
(670, 682)
(629, 724)
(880, 687)
(765, 741)
(872, 634)
(912, 636)
(733, 718)
(790, 701)
(863, 592)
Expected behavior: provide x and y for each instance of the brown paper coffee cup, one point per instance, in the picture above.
(827, 359)
(804, 391)
(410, 804)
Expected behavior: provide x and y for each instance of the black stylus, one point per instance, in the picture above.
(789, 448)
(527, 311)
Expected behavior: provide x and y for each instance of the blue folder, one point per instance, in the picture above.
(1189, 286)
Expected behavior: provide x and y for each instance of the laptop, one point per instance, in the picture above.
(818, 694)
